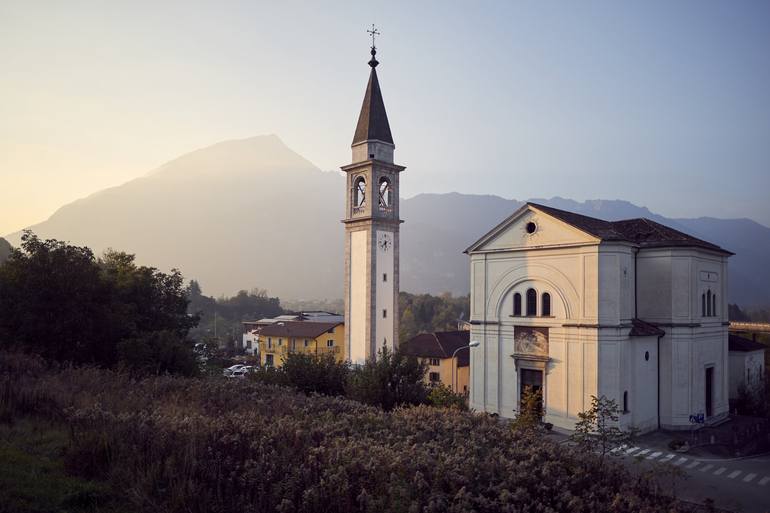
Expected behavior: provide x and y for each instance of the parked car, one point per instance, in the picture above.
(241, 373)
(228, 372)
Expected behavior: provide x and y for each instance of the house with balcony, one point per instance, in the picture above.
(279, 339)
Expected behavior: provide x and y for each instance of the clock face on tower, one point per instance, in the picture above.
(384, 242)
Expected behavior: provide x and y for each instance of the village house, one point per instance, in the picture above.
(446, 353)
(251, 329)
(277, 340)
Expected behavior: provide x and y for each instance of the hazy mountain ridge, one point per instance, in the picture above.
(253, 213)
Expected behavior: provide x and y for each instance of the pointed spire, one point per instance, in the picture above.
(373, 121)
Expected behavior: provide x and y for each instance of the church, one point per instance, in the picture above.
(576, 307)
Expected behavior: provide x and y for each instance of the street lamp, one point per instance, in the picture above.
(473, 343)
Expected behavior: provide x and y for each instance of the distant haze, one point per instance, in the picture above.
(664, 104)
(252, 213)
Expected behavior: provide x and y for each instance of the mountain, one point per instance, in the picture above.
(253, 213)
(5, 249)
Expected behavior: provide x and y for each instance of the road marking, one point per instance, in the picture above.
(734, 474)
(668, 457)
(707, 467)
(654, 455)
(680, 461)
(632, 449)
(693, 464)
(749, 478)
(764, 481)
(719, 471)
(642, 453)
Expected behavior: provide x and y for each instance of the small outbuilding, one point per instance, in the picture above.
(747, 364)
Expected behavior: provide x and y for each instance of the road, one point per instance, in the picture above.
(740, 484)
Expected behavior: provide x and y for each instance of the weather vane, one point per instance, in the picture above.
(373, 32)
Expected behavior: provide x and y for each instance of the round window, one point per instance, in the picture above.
(531, 227)
(647, 356)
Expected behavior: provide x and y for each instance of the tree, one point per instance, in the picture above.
(53, 302)
(390, 380)
(530, 415)
(422, 313)
(59, 301)
(441, 396)
(311, 373)
(158, 352)
(598, 431)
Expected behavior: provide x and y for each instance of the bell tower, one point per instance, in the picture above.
(371, 230)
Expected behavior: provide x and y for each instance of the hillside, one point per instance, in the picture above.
(253, 213)
(5, 249)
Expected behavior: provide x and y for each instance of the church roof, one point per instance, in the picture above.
(641, 232)
(744, 345)
(441, 344)
(373, 121)
(640, 328)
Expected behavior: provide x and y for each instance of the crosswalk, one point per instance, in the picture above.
(694, 465)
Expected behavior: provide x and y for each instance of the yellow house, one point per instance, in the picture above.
(447, 356)
(318, 338)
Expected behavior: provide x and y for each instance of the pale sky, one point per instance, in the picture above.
(665, 104)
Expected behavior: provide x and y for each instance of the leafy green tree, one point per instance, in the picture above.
(158, 352)
(421, 313)
(311, 373)
(53, 302)
(59, 301)
(530, 414)
(598, 431)
(390, 380)
(441, 396)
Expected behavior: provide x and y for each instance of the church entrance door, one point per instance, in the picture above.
(709, 391)
(531, 381)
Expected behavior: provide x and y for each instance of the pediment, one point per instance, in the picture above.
(516, 233)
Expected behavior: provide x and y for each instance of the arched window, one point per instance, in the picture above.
(359, 192)
(625, 401)
(517, 304)
(385, 192)
(531, 302)
(545, 308)
(714, 305)
(708, 303)
(703, 305)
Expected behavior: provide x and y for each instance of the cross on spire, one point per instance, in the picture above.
(374, 32)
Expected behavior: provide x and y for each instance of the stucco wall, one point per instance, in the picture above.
(745, 364)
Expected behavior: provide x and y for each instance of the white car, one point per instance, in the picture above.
(241, 373)
(228, 372)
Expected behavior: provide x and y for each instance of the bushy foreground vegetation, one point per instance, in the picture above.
(204, 444)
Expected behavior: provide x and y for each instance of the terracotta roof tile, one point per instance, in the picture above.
(299, 329)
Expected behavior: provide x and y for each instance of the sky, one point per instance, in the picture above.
(664, 104)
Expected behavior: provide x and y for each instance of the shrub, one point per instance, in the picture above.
(202, 444)
(442, 396)
(390, 380)
(320, 374)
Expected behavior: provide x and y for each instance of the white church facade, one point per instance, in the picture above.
(579, 307)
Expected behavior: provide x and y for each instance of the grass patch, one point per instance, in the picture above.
(32, 477)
